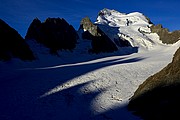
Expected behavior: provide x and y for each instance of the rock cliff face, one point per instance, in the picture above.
(158, 97)
(100, 41)
(87, 25)
(164, 34)
(12, 45)
(54, 33)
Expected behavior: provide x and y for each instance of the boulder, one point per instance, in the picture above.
(164, 34)
(54, 33)
(100, 41)
(158, 97)
(12, 45)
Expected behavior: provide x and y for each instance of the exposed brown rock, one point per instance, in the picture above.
(164, 34)
(89, 26)
(158, 97)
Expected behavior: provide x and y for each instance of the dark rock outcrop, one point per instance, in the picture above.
(12, 45)
(34, 30)
(87, 25)
(54, 33)
(158, 97)
(100, 41)
(164, 34)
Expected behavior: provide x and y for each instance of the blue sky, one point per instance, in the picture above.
(20, 13)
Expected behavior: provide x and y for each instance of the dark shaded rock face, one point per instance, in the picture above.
(158, 98)
(12, 44)
(164, 34)
(100, 41)
(34, 30)
(54, 33)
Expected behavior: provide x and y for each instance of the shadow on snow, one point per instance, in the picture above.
(20, 95)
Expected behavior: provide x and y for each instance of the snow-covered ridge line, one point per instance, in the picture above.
(115, 18)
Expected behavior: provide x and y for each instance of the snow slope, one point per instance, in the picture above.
(77, 86)
(82, 86)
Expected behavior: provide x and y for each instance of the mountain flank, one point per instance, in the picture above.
(158, 97)
(164, 34)
(100, 41)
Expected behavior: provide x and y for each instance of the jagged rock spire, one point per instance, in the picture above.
(100, 41)
(54, 33)
(12, 45)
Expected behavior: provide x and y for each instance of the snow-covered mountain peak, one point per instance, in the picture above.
(133, 27)
(108, 12)
(117, 19)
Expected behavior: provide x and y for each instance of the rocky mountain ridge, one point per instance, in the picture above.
(113, 31)
(54, 33)
(99, 40)
(164, 34)
(12, 44)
